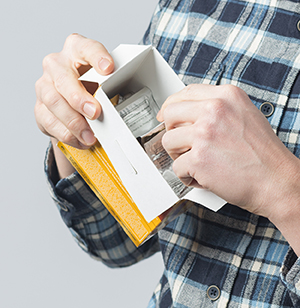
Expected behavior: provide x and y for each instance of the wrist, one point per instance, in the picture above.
(284, 204)
(64, 167)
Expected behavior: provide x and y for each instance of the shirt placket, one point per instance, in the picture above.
(276, 94)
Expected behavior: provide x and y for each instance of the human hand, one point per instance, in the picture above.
(62, 100)
(220, 141)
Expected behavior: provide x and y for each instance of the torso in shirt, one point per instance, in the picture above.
(254, 45)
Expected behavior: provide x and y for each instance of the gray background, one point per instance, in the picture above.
(41, 266)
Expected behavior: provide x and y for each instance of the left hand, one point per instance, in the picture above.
(220, 141)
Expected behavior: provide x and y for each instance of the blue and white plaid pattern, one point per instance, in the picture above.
(252, 44)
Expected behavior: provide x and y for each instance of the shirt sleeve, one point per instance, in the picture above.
(94, 229)
(290, 274)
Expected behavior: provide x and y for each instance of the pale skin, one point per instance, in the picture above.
(217, 138)
(62, 101)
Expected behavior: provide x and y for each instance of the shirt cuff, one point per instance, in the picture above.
(72, 195)
(290, 274)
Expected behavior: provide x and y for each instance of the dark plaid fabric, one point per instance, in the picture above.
(254, 45)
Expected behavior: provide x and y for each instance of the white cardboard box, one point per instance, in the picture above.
(137, 66)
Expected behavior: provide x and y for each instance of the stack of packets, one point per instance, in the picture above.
(128, 169)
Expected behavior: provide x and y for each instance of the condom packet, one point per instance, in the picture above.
(139, 111)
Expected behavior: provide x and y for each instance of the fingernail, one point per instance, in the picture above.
(89, 109)
(88, 137)
(104, 64)
(83, 146)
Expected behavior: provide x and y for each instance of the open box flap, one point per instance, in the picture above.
(206, 198)
(122, 55)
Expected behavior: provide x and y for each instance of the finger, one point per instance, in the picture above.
(64, 68)
(181, 169)
(51, 126)
(86, 51)
(74, 122)
(195, 92)
(178, 141)
(182, 114)
(65, 81)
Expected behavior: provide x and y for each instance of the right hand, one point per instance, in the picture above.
(62, 101)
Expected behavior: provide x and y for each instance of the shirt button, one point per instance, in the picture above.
(82, 244)
(298, 25)
(267, 109)
(213, 293)
(63, 207)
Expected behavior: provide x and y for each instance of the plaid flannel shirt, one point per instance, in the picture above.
(231, 258)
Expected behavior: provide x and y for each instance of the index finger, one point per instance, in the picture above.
(84, 51)
(64, 68)
(195, 92)
(65, 82)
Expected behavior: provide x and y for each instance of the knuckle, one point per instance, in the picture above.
(72, 39)
(37, 108)
(51, 99)
(190, 89)
(199, 155)
(231, 90)
(42, 129)
(205, 132)
(49, 124)
(38, 84)
(89, 46)
(67, 137)
(75, 99)
(49, 60)
(74, 124)
(215, 112)
(61, 80)
(219, 110)
(217, 106)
